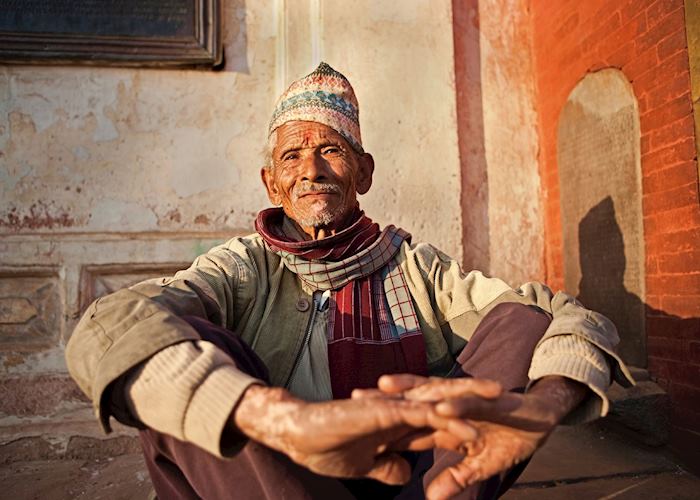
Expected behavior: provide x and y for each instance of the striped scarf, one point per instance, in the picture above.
(373, 328)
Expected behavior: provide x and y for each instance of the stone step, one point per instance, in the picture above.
(640, 412)
(69, 434)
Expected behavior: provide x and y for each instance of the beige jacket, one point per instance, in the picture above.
(247, 289)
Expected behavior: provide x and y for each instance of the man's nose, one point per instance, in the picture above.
(314, 168)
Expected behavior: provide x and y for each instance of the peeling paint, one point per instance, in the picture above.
(70, 92)
(173, 215)
(151, 139)
(201, 219)
(510, 141)
(39, 215)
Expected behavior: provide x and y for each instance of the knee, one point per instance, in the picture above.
(517, 322)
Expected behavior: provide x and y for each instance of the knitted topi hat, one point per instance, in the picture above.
(324, 96)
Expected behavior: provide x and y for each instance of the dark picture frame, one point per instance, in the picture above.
(157, 33)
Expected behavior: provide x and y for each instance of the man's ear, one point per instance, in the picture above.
(364, 172)
(270, 185)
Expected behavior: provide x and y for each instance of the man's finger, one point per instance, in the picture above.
(448, 441)
(390, 469)
(428, 440)
(373, 394)
(419, 440)
(477, 408)
(434, 389)
(440, 389)
(461, 429)
(401, 382)
(452, 481)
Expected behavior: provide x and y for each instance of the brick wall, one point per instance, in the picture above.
(646, 40)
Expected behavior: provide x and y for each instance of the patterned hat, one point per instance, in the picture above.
(324, 96)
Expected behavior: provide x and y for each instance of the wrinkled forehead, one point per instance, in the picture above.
(304, 134)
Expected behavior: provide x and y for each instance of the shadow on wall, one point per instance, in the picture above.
(474, 195)
(602, 288)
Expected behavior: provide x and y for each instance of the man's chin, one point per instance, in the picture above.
(318, 221)
(321, 219)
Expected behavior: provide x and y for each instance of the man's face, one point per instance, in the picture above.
(316, 175)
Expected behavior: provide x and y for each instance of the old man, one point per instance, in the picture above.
(324, 347)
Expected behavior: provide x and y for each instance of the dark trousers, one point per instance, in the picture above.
(500, 349)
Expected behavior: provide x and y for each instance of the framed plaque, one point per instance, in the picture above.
(111, 32)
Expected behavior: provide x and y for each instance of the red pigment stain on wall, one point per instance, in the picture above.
(39, 216)
(174, 215)
(201, 219)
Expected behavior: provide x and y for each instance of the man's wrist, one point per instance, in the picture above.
(560, 395)
(261, 414)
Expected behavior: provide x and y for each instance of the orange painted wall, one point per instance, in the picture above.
(646, 40)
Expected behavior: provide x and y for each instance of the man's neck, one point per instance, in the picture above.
(298, 233)
(318, 233)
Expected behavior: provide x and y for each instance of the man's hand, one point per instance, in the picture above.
(347, 438)
(511, 427)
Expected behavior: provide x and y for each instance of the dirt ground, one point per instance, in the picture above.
(119, 478)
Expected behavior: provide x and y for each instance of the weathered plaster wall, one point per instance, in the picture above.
(111, 175)
(474, 194)
(105, 150)
(503, 231)
(510, 138)
(399, 57)
(127, 156)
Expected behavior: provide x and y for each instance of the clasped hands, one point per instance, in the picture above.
(362, 436)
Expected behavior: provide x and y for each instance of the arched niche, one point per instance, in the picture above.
(598, 156)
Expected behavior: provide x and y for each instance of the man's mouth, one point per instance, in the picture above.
(323, 190)
(317, 193)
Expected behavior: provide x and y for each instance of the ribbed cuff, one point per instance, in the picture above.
(189, 391)
(210, 408)
(575, 358)
(598, 331)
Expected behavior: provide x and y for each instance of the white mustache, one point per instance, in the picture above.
(315, 187)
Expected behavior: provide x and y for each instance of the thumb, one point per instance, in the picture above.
(390, 468)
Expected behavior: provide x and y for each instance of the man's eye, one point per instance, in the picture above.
(290, 156)
(331, 150)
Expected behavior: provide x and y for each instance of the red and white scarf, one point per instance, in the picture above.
(373, 328)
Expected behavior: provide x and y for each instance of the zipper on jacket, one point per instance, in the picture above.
(318, 305)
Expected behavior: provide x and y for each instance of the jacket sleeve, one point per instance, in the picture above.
(107, 353)
(579, 343)
(189, 390)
